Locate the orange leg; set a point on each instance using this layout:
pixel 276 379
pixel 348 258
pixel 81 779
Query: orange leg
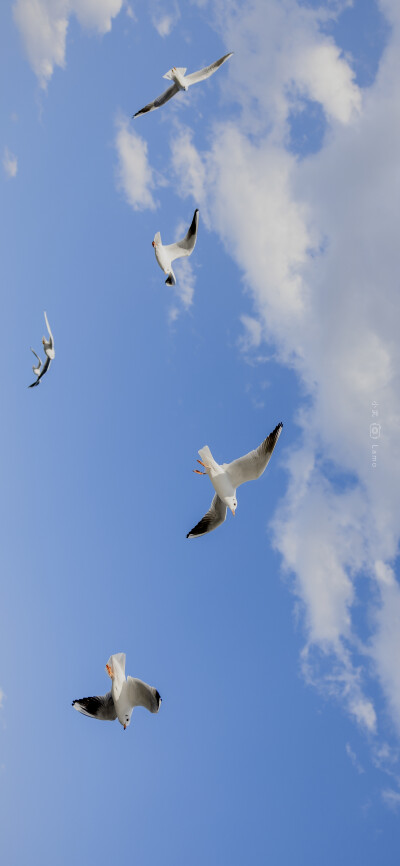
pixel 109 671
pixel 197 471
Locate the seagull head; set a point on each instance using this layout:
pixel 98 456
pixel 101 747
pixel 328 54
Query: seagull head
pixel 231 502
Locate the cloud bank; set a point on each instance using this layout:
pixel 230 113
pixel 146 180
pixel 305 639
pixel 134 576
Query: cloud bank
pixel 315 238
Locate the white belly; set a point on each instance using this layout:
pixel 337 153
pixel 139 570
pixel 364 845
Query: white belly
pixel 222 484
pixel 162 258
pixel 123 707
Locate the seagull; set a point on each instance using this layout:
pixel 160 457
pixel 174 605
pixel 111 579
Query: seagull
pixel 126 693
pixel 165 255
pixel 48 346
pixel 35 369
pixel 182 82
pixel 227 477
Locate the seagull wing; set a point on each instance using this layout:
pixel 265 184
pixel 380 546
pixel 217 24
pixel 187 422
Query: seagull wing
pixel 48 326
pixel 161 100
pixel 252 465
pixel 44 369
pixel 216 515
pixel 142 695
pixel 98 707
pixel 201 74
pixel 37 356
pixel 186 246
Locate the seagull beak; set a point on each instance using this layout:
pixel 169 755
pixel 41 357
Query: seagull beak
pixel 153 244
pixel 232 511
pixel 124 727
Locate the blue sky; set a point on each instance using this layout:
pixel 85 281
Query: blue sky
pixel 274 641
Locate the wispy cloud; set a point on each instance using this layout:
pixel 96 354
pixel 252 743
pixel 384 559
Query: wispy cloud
pixel 43 26
pixel 165 17
pixel 10 163
pixel 300 230
pixel 391 798
pixel 353 758
pixel 135 177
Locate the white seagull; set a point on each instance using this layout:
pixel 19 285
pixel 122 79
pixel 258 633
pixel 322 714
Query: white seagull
pixel 126 693
pixel 227 477
pixel 182 82
pixel 36 369
pixel 48 346
pixel 165 255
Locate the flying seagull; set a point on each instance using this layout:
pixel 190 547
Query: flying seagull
pixel 126 693
pixel 182 82
pixel 165 255
pixel 48 346
pixel 227 477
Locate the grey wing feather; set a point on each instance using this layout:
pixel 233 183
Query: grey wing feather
pixel 161 100
pixel 252 465
pixel 201 74
pixel 186 246
pixel 143 695
pixel 216 515
pixel 98 707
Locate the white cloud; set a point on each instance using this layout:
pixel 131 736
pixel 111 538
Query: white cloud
pixel 391 798
pixel 385 644
pixel 43 26
pixel 164 21
pixel 185 282
pixel 251 339
pixel 316 241
pixel 10 163
pixel 353 758
pixel 2 696
pixel 135 177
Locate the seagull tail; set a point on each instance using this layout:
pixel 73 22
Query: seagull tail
pixel 171 281
pixel 207 458
pixel 170 73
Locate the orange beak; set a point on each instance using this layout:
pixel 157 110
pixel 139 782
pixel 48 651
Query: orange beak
pixel 153 244
pixel 124 727
pixel 232 511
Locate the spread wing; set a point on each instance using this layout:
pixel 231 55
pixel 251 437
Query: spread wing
pixel 44 369
pixel 186 246
pixel 142 695
pixel 252 465
pixel 98 707
pixel 37 356
pixel 48 328
pixel 216 515
pixel 161 100
pixel 194 77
